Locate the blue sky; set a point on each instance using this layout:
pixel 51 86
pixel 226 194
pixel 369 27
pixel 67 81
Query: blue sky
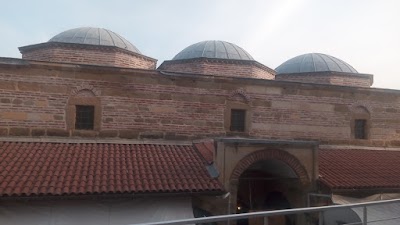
pixel 364 33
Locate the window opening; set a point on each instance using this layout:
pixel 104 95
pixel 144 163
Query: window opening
pixel 360 129
pixel 238 120
pixel 84 117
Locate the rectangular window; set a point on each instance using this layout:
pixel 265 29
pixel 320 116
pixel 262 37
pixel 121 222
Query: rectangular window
pixel 84 117
pixel 238 120
pixel 360 127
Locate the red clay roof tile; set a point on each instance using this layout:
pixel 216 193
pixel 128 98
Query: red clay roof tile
pixel 39 168
pixel 359 169
pixel 206 149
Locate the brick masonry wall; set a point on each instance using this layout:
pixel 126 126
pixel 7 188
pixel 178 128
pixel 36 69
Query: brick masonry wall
pixel 123 59
pixel 146 104
pixel 344 80
pixel 91 56
pixel 221 68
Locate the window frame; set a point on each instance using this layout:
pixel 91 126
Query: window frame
pixel 227 117
pixel 71 112
pixel 240 123
pixel 360 132
pixel 361 116
pixel 84 117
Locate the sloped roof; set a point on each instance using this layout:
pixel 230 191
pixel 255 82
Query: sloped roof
pixel 359 169
pixel 206 150
pixel 39 168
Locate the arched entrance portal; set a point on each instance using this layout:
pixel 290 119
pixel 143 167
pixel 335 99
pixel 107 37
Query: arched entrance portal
pixel 269 180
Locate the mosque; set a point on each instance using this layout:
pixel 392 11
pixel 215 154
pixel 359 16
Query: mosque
pixel 92 132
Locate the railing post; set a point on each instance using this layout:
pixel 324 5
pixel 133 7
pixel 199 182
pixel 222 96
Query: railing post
pixel 265 220
pixel 365 215
pixel 321 218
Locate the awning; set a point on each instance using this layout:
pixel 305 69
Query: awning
pixel 385 214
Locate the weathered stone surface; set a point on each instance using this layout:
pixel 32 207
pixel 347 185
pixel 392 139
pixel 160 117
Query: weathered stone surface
pixel 174 136
pixel 151 135
pixel 27 86
pixel 28 103
pixel 262 103
pixel 212 99
pixel 391 110
pixel 39 116
pixel 395 142
pixel 54 89
pixel 41 103
pixel 146 95
pixel 129 134
pixel 5 100
pixel 84 133
pixel 108 133
pixel 58 117
pixel 36 132
pixel 163 109
pixel 186 98
pixel 57 132
pixel 14 115
pixel 7 85
pixel 3 131
pixel 17 101
pixel 108 120
pixel 341 108
pixel 165 96
pixel 19 131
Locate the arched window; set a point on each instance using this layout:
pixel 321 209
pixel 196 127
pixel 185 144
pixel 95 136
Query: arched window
pixel 238 113
pixel 360 123
pixel 84 111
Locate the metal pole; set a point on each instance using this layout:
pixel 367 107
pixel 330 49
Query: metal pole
pixel 265 220
pixel 321 218
pixel 365 215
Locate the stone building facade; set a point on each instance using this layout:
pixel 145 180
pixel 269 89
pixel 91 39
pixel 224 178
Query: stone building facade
pixel 257 130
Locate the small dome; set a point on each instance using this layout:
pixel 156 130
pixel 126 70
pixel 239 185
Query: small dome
pixel 314 62
pixel 94 36
pixel 214 50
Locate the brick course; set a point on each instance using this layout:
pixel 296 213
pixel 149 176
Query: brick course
pixel 79 54
pixel 344 79
pixel 220 67
pixel 269 154
pixel 149 104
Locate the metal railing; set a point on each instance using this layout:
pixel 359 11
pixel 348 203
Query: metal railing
pixel 266 214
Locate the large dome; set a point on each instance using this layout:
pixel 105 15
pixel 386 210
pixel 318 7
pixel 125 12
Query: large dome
pixel 314 62
pixel 213 49
pixel 94 36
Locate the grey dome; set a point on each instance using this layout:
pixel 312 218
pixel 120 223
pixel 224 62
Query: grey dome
pixel 314 62
pixel 94 36
pixel 215 50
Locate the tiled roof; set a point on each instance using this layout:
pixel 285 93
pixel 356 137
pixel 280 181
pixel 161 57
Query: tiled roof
pixel 359 169
pixel 39 168
pixel 206 149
